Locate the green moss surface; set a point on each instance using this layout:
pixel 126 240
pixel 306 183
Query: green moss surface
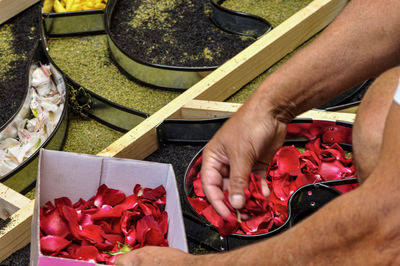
pixel 7 53
pixel 275 11
pixel 88 136
pixel 87 61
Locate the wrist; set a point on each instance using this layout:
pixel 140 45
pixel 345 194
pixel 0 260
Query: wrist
pixel 271 98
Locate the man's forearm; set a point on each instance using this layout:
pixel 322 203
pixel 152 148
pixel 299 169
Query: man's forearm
pixel 358 228
pixel 362 42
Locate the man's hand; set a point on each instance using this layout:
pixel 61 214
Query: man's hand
pixel 245 143
pixel 154 256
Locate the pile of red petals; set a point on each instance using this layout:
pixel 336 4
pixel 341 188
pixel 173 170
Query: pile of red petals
pixel 108 224
pixel 288 171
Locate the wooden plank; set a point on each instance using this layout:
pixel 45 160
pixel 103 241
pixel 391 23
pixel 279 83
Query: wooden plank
pixel 198 109
pixel 17 233
pixel 325 115
pixel 10 201
pixel 352 109
pixel 141 141
pixel 10 8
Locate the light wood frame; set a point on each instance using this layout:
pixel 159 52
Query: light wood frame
pixel 10 8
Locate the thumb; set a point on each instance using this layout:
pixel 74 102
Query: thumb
pixel 238 180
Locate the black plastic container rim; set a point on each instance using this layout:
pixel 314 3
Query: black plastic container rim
pixel 62 117
pixel 325 184
pixel 73 13
pixel 218 5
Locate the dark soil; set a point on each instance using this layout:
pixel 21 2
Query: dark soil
pixel 179 156
pixel 175 33
pixel 14 83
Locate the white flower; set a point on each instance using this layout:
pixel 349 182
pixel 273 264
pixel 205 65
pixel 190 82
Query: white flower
pixel 27 133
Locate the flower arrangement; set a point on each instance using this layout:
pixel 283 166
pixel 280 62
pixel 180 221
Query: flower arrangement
pixel 288 171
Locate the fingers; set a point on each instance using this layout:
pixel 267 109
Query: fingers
pixel 239 179
pixel 215 196
pixel 264 188
pixel 260 169
pixel 213 173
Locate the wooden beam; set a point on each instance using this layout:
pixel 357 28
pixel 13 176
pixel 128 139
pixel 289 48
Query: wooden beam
pixel 10 8
pixel 10 201
pixel 141 141
pixel 352 109
pixel 17 232
pixel 198 109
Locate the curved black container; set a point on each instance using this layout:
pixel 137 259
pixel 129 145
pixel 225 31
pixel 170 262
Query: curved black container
pixel 22 178
pixel 302 202
pixel 238 22
pixel 176 77
pixel 349 98
pixel 74 23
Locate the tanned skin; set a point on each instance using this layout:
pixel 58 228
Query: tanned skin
pixel 358 228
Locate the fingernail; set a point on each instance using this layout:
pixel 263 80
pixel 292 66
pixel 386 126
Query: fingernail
pixel 237 201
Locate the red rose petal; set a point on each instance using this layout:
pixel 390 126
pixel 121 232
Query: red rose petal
pixel 163 223
pixel 288 160
pixel 116 211
pixel 54 224
pixel 126 219
pixel 87 253
pixel 63 201
pixel 212 216
pixel 198 204
pixel 72 218
pixel 257 223
pixel 228 225
pixel 301 180
pixel 106 227
pixel 144 225
pixel 149 209
pixel 130 237
pixel 154 194
pixel 53 244
pixel 198 188
pixel 116 226
pixel 154 237
pixel 333 170
pixel 92 233
pixel 113 238
pixel 281 188
pixel 108 196
pixel 79 203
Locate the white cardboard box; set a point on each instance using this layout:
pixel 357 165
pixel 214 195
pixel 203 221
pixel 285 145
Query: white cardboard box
pixel 79 175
